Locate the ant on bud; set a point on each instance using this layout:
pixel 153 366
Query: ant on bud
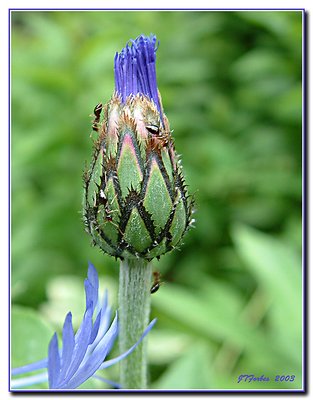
pixel 156 283
pixel 154 129
pixel 104 201
pixel 156 132
pixel 97 112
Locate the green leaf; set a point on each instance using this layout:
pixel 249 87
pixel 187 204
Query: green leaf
pixel 190 371
pixel 277 269
pixel 217 318
pixel 30 337
pixel 167 345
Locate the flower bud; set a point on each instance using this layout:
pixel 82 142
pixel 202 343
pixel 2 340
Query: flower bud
pixel 135 202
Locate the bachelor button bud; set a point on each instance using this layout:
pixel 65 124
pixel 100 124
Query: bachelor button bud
pixel 135 202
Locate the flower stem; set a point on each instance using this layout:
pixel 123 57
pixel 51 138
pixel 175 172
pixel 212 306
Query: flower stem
pixel 134 310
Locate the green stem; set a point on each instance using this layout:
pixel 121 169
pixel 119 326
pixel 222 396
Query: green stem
pixel 134 310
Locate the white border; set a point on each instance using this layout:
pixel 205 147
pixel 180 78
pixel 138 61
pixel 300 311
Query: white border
pixel 4 6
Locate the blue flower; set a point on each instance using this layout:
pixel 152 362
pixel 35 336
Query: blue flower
pixel 83 353
pixel 134 70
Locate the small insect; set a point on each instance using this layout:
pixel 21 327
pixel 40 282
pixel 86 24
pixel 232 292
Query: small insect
pixel 108 214
pixel 103 200
pixel 154 129
pixel 97 112
pixel 156 283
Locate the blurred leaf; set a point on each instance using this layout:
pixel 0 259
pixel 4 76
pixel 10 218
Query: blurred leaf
pixel 30 336
pixel 289 105
pixel 166 345
pixel 190 371
pixel 277 268
pixel 259 63
pixel 288 22
pixel 216 318
pixel 66 293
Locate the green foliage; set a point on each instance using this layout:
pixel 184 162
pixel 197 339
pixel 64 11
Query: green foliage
pixel 30 336
pixel 231 88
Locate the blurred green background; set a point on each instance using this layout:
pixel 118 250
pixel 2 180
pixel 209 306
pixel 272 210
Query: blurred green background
pixel 231 87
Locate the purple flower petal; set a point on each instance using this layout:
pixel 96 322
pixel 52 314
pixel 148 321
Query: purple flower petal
pixel 89 290
pixel 93 277
pixel 115 360
pixel 53 362
pixel 91 286
pixel 134 70
pixel 30 367
pixel 95 328
pixel 68 344
pixel 31 380
pixel 81 344
pixel 103 324
pixel 93 362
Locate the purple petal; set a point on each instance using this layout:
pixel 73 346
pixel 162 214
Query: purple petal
pixel 115 360
pixel 92 286
pixel 90 296
pixel 94 361
pixel 81 344
pixel 134 70
pixel 102 305
pixel 105 314
pixel 93 276
pixel 68 344
pixel 103 327
pixel 53 362
pixel 95 328
pixel 33 380
pixel 30 367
